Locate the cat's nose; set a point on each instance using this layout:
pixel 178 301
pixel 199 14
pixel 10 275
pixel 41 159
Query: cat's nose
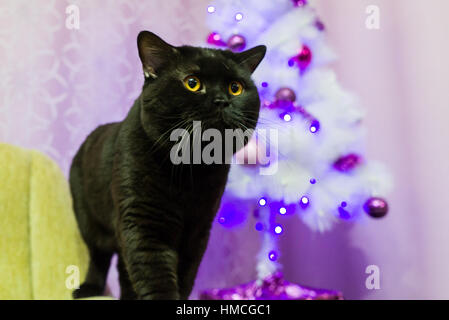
pixel 220 102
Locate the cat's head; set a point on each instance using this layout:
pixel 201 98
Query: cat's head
pixel 186 84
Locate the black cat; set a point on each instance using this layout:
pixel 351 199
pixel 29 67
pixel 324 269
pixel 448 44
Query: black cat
pixel 131 199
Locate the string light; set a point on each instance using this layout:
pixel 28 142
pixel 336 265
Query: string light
pixel 211 9
pixel 272 255
pixel 315 126
pixel 278 229
pixel 304 202
pixel 238 16
pixel 262 202
pixel 287 117
pixel 282 210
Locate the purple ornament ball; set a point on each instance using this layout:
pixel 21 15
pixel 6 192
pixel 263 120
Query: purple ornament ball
pixel 347 162
pixel 285 94
pixel 376 207
pixel 236 42
pixel 299 3
pixel 320 25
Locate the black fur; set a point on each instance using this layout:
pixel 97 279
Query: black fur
pixel 128 196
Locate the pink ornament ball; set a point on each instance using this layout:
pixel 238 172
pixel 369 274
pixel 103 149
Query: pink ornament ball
pixel 285 94
pixel 215 39
pixel 299 3
pixel 236 42
pixel 303 59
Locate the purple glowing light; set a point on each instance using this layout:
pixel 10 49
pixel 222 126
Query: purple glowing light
pixel 344 214
pixel 314 126
pixel 238 16
pixel 259 226
pixel 211 9
pixel 286 117
pixel 312 181
pixel 343 204
pixel 222 220
pixel 273 255
pixel 282 210
pixel 262 202
pixel 264 84
pixel 304 202
pixel 278 229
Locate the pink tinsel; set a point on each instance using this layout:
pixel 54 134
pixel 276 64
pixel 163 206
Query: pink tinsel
pixel 273 287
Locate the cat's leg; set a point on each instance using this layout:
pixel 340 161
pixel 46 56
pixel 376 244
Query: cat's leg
pixel 97 272
pixel 92 235
pixel 126 289
pixel 150 258
pixel 190 260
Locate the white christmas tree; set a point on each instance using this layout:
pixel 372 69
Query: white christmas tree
pixel 320 173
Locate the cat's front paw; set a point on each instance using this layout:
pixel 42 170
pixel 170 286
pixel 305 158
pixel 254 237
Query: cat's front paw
pixel 87 290
pixel 161 296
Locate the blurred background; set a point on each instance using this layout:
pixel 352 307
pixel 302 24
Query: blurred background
pixel 57 84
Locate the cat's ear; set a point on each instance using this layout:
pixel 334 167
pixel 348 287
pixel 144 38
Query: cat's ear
pixel 153 52
pixel 251 57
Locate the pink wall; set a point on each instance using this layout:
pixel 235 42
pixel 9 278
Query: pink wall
pixel 400 74
pixel 57 84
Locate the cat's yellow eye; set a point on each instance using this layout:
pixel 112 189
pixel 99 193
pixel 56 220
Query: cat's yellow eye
pixel 192 83
pixel 235 88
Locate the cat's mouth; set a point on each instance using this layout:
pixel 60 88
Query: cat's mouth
pixel 223 119
pixel 221 123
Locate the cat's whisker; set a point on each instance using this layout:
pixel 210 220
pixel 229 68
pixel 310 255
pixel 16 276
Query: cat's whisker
pixel 184 140
pixel 156 144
